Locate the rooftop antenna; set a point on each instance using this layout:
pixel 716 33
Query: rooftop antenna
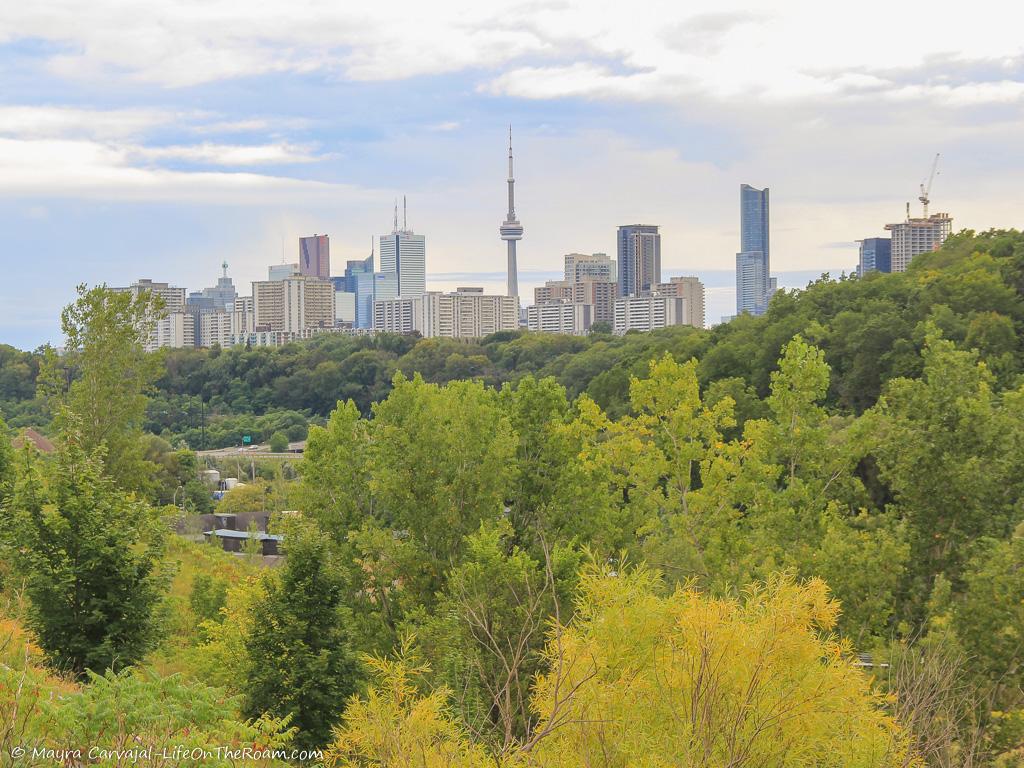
pixel 405 216
pixel 395 227
pixel 927 189
pixel 224 266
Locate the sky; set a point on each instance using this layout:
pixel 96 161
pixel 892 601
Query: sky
pixel 159 139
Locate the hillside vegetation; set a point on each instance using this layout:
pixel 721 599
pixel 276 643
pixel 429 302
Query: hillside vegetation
pixel 792 541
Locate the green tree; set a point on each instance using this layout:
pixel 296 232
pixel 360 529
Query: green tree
pixel 484 638
pixel 298 661
pixel 946 447
pixel 6 462
pixel 335 472
pixel 441 462
pixel 98 387
pixel 279 442
pixel 89 554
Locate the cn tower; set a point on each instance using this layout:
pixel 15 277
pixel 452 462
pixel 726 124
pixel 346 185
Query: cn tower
pixel 511 230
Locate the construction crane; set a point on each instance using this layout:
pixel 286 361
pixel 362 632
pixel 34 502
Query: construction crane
pixel 926 189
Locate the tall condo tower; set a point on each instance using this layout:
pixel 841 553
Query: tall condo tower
pixel 639 258
pixel 754 285
pixel 511 230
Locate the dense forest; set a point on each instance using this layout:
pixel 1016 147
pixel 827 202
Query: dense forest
pixel 794 540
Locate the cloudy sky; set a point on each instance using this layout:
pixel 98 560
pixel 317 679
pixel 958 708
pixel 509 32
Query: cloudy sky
pixel 157 139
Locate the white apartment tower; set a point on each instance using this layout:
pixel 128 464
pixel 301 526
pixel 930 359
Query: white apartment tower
pixel 560 317
pixel 294 304
pixel 465 313
pixel 648 313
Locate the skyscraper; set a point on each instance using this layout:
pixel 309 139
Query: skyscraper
pixel 315 256
pixel 875 255
pixel 753 264
pixel 511 230
pixel 219 298
pixel 639 258
pixel 403 253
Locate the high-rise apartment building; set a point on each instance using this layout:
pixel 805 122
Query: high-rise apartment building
pixel 916 236
pixel 315 256
pixel 559 316
pixel 294 304
pixel 639 258
pixel 166 332
pixel 691 289
pixel 875 255
pixel 465 313
pixel 753 262
pixel 648 313
pixel 600 294
pixel 403 253
pixel 589 266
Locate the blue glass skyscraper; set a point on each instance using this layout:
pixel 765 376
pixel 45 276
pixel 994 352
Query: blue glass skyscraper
pixel 875 255
pixel 753 280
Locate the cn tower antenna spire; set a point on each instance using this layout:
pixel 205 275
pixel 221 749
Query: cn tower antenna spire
pixel 511 230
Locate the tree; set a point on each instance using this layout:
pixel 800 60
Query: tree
pixel 946 446
pixel 484 638
pixel 279 442
pixel 686 679
pixel 98 387
pixel 394 726
pixel 441 461
pixel 298 659
pixel 6 462
pixel 335 472
pixel 89 554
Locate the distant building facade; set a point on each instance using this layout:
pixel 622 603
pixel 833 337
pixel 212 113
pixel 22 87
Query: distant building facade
pixel 916 236
pixel 600 294
pixel 560 316
pixel 293 305
pixel 753 262
pixel 875 255
pixel 465 313
pixel 648 313
pixel 589 266
pixel 315 256
pixel 281 271
pixel 170 323
pixel 639 258
pixel 690 288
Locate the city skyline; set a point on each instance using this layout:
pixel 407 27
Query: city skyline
pixel 113 168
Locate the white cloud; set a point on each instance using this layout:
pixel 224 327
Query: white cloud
pixel 229 154
pixel 723 49
pixel 59 121
pixel 54 168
